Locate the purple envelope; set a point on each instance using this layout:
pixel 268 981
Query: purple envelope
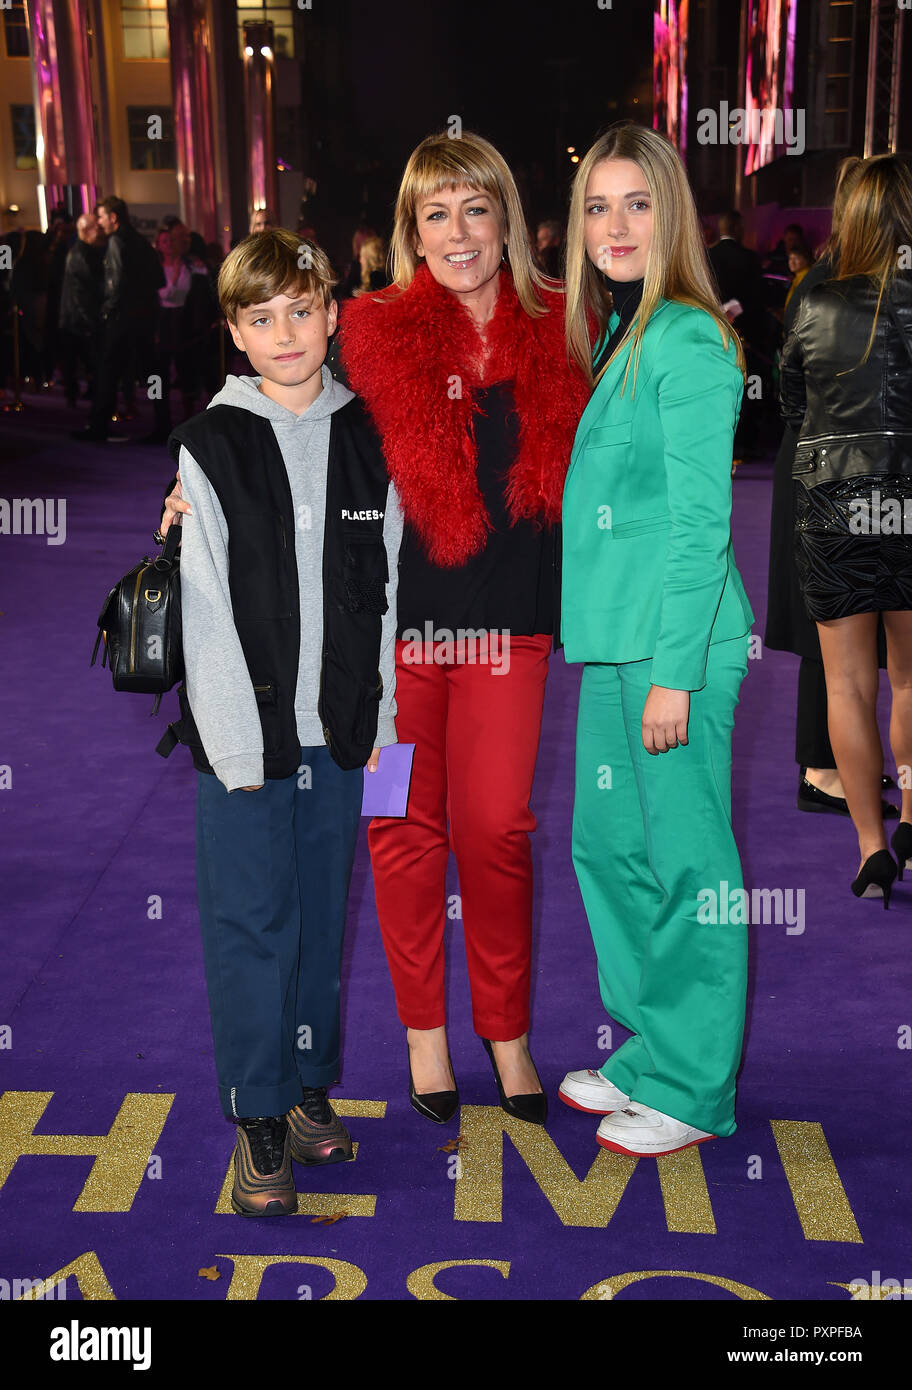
pixel 386 790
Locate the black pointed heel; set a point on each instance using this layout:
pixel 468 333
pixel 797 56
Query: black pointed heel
pixel 877 875
pixel 902 846
pixel 532 1108
pixel 439 1106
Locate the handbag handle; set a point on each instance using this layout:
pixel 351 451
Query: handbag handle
pixel 165 560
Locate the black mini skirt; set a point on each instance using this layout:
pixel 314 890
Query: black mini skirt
pixel 853 545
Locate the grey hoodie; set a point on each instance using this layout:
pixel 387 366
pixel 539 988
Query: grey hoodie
pixel 218 682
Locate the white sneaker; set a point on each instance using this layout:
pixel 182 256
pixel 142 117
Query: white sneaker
pixel 638 1129
pixel 589 1091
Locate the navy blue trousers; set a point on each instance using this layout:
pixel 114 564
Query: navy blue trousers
pixel 273 869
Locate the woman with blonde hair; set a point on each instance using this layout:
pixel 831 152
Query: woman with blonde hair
pixel 372 263
pixel 788 627
pixel 852 479
pixel 462 364
pixel 654 606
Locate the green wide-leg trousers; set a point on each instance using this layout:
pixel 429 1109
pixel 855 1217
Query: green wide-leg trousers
pixel 653 850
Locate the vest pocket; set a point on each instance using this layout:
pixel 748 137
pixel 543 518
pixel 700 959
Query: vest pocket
pixel 365 573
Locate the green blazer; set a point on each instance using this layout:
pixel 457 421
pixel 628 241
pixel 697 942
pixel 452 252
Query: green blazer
pixel 648 568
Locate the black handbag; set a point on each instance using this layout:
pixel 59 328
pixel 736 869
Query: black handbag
pixel 140 625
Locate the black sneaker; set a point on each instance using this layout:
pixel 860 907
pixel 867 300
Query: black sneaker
pixel 263 1184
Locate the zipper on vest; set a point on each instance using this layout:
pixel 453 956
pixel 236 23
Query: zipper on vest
pixel 326 734
pixel 258 688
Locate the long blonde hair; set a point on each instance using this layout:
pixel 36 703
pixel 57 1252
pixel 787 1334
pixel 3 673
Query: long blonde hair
pixel 847 173
pixel 374 252
pixel 876 223
pixel 676 266
pixel 466 161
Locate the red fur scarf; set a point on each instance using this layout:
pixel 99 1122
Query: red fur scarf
pixel 412 356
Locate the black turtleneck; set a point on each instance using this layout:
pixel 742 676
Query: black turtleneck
pixel 626 295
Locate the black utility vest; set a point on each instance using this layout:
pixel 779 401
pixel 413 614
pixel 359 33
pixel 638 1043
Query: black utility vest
pixel 241 458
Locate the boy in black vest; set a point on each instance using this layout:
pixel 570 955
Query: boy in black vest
pixel 288 585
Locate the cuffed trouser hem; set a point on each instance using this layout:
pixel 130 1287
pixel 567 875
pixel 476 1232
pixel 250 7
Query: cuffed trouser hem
pixel 248 1102
pixel 325 1075
pixel 496 1030
pixel 423 1023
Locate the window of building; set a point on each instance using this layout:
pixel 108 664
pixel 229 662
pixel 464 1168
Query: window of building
pixel 151 134
pixel 145 28
pixel 15 30
pixel 279 15
pixel 24 151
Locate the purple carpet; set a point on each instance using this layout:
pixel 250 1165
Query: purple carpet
pixel 113 1152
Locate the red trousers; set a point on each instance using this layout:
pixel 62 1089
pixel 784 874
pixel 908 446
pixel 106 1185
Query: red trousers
pixel 476 729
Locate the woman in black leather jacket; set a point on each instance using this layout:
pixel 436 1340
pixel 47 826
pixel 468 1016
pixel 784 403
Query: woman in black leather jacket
pixel 846 389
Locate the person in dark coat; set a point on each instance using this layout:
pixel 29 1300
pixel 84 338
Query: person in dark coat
pixel 59 238
pixel 188 309
pixel 548 249
pixel 80 304
pixel 778 258
pixel 129 313
pixel 846 389
pixel 788 627
pixel 739 276
pixel 28 291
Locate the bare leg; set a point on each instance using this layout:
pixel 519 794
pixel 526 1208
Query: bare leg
pixel 827 779
pixel 849 650
pixel 517 1072
pixel 898 627
pixel 430 1060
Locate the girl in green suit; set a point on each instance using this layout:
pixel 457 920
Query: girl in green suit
pixel 655 608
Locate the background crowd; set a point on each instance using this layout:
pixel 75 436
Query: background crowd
pixel 100 309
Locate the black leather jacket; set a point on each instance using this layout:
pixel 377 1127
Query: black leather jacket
pixel 133 275
pixel 83 284
pixel 858 424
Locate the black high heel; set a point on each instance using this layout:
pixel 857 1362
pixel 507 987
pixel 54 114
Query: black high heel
pixel 439 1106
pixel 876 877
pixel 531 1108
pixel 902 846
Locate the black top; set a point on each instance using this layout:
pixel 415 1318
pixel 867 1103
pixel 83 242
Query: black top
pixel 626 295
pixel 509 584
